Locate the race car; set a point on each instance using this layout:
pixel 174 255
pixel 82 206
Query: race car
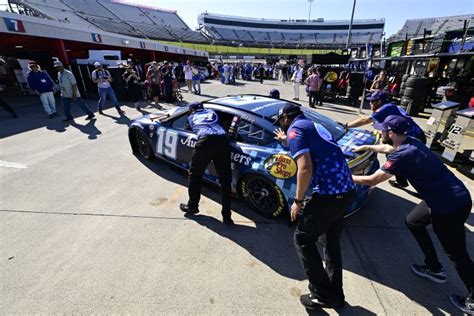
pixel 263 170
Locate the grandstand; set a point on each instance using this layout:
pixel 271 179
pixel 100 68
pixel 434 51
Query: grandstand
pixel 114 16
pixel 416 27
pixel 289 33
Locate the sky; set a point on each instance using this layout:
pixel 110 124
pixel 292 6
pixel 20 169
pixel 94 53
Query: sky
pixel 395 12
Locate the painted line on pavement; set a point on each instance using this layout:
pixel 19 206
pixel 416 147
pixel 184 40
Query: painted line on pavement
pixel 14 165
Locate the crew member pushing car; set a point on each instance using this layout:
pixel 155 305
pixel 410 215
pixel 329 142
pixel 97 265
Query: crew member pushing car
pixel 212 145
pixel 446 204
pixel 322 165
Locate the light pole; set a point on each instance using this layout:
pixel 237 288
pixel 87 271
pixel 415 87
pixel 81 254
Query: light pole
pixel 310 4
pixel 350 25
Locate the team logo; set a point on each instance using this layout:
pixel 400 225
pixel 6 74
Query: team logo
pixel 388 164
pixel 96 38
pixel 14 25
pixel 280 166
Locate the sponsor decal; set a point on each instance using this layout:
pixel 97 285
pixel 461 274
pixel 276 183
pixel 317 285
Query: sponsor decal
pixel 14 25
pixel 388 164
pixel 292 134
pixel 280 166
pixel 190 141
pixel 96 38
pixel 240 158
pixel 142 45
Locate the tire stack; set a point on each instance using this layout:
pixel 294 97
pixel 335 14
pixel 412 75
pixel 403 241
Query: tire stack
pixel 414 94
pixel 354 89
pixel 403 84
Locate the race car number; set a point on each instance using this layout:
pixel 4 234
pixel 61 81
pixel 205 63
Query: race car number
pixel 455 129
pixel 166 143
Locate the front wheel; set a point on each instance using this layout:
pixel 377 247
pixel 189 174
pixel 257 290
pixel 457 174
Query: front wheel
pixel 263 195
pixel 143 145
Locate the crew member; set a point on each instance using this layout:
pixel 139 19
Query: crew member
pixel 446 204
pixel 212 145
pixel 322 165
pixel 380 110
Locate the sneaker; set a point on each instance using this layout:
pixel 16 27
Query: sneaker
pixel 90 117
pixel 51 115
pixel 311 302
pixel 397 185
pixel 121 112
pixel 423 271
pixel 56 114
pixel 185 208
pixel 68 120
pixel 101 112
pixel 466 305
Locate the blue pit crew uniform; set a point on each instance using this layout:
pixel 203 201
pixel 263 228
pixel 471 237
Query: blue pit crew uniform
pixel 212 145
pixel 446 205
pixel 322 217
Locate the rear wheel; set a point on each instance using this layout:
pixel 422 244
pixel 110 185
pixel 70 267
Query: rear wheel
pixel 263 195
pixel 143 146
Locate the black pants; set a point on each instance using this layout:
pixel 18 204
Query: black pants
pixel 313 98
pixel 7 108
pixel 401 179
pixel 322 219
pixel 216 149
pixel 451 233
pixel 133 92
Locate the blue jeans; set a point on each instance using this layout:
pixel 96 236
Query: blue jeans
pixel 67 106
pixel 103 92
pixel 197 86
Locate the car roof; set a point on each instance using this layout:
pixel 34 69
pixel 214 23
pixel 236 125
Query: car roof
pixel 253 104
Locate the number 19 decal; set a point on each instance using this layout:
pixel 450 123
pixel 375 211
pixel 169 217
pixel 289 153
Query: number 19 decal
pixel 166 143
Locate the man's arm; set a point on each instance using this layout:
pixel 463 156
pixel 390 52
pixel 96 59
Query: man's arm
pixel 372 180
pixel 303 179
pixel 94 77
pixel 363 120
pixel 381 149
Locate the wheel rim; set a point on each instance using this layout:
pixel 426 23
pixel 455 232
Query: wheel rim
pixel 262 194
pixel 143 146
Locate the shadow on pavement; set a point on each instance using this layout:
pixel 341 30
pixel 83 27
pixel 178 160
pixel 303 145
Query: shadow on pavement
pixel 346 311
pixel 89 129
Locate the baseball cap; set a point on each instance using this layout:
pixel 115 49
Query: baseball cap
pixel 274 93
pixel 378 95
pixel 288 109
pixel 57 63
pixel 195 106
pixel 395 123
pixel 96 64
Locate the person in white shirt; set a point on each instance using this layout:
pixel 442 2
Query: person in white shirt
pixel 296 79
pixel 226 73
pixel 102 78
pixel 188 75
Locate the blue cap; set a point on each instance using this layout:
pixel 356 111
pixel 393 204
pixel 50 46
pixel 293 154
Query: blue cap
pixel 288 109
pixel 378 95
pixel 195 106
pixel 395 123
pixel 274 93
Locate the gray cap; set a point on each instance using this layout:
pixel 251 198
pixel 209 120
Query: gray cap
pixel 57 63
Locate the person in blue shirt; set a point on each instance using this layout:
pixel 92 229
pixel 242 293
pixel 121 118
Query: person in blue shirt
pixel 380 110
pixel 43 86
pixel 446 204
pixel 323 168
pixel 212 145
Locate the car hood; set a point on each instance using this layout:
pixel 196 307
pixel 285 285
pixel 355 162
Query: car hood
pixel 356 137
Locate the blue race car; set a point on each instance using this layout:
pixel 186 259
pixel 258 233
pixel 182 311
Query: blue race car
pixel 263 170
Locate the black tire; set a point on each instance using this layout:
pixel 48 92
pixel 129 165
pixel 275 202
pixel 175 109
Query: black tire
pixel 414 93
pixel 403 86
pixel 263 195
pixel 405 77
pixel 143 147
pixel 417 82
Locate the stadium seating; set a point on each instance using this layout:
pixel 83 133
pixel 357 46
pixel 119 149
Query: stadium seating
pixel 89 7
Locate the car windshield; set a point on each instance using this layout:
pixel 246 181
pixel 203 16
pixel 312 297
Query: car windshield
pixel 336 130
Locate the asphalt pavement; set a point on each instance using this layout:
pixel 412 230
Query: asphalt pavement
pixel 89 228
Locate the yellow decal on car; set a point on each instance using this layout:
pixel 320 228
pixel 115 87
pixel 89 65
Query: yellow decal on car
pixel 280 166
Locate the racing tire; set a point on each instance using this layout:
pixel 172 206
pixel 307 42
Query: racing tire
pixel 417 83
pixel 405 78
pixel 414 93
pixel 142 146
pixel 263 195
